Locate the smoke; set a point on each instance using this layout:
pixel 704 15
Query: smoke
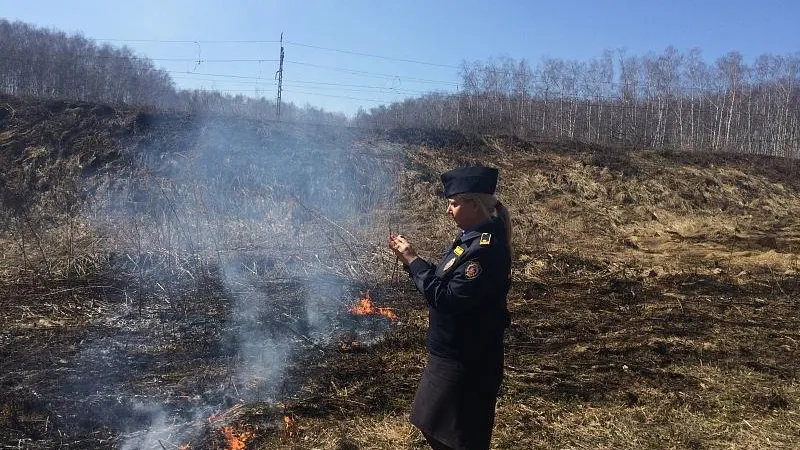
pixel 262 349
pixel 163 431
pixel 157 430
pixel 242 244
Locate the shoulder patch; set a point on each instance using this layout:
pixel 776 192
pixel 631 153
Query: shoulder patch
pixel 458 250
pixel 473 270
pixel 486 238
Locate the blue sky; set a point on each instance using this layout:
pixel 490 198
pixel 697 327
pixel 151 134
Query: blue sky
pixel 438 32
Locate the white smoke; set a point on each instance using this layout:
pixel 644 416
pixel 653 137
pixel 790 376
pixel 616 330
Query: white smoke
pixel 293 211
pixel 164 430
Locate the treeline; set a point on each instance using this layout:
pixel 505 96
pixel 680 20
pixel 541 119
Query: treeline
pixel 670 100
pixel 49 64
pixel 42 63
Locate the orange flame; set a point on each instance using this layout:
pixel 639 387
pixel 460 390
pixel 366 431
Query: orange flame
pixel 364 307
pixel 236 440
pixel 289 424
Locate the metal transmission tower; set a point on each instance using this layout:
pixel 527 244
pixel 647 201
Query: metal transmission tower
pixel 279 76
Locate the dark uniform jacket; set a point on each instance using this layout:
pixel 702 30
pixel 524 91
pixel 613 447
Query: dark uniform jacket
pixel 466 294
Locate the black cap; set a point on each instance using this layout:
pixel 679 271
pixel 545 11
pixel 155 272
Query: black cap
pixel 470 180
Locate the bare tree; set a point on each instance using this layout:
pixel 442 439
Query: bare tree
pixel 659 100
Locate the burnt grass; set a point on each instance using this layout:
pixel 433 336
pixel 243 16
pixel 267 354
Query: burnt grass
pixel 599 342
pixel 613 344
pixel 623 335
pixel 89 385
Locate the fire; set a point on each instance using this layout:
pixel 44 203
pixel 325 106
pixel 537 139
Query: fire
pixel 364 307
pixel 289 425
pixel 236 439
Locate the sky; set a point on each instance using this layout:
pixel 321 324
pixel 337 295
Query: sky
pixel 345 54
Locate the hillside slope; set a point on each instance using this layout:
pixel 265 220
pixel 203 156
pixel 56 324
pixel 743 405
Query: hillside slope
pixel 167 276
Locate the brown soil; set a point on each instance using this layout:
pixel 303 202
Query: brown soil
pixel 654 299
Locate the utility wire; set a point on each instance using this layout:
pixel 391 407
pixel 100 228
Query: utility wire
pixel 397 78
pixel 196 41
pixel 187 72
pixel 351 85
pixel 478 67
pixel 339 96
pixel 311 85
pixel 216 80
pixel 298 44
pixel 135 58
pixel 374 74
pixel 328 88
pixel 389 58
pixel 357 88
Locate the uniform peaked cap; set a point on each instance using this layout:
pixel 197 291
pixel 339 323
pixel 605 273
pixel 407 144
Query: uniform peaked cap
pixel 470 180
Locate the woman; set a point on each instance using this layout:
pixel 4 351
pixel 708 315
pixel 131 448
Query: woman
pixel 466 296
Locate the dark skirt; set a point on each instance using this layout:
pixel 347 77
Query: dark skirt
pixel 455 402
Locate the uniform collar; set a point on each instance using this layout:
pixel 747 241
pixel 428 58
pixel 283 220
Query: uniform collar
pixel 486 226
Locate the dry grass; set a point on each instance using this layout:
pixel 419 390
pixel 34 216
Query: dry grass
pixel 654 300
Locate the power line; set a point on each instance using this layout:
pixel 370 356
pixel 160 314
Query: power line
pixel 298 44
pixel 551 94
pixel 187 72
pixel 340 69
pixel 139 58
pixel 312 85
pixel 196 41
pixel 372 55
pixel 195 60
pixel 262 93
pixel 179 77
pixel 339 96
pixel 484 69
pixel 365 86
pixel 374 74
pixel 357 72
pixel 217 60
pixel 338 89
pixel 313 94
pixel 534 78
pixel 478 68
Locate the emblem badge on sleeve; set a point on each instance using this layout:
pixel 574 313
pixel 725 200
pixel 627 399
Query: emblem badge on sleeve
pixel 473 270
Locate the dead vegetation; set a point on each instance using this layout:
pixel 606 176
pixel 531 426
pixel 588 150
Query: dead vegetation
pixel 180 281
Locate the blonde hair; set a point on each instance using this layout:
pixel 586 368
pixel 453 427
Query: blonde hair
pixel 493 208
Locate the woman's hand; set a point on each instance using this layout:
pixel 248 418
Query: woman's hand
pixel 402 248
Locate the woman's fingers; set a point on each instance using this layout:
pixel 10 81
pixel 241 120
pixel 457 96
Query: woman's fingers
pixel 400 245
pixel 398 239
pixel 402 248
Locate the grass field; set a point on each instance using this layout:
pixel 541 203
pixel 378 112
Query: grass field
pixel 181 282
